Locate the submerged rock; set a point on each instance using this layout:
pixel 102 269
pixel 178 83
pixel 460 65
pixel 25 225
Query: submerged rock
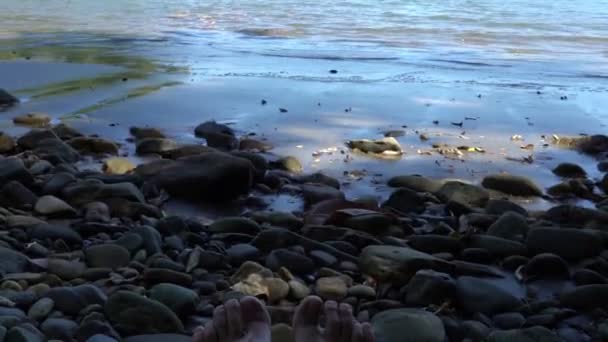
pixel 467 194
pixel 146 132
pixel 6 99
pixel 512 185
pixel 155 145
pixel 383 147
pixel 289 163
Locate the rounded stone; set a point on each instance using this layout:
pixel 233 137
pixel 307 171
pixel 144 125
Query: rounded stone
pixel 331 288
pixel 41 309
pixel 107 256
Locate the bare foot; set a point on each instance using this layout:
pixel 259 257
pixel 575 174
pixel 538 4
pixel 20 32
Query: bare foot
pixel 340 325
pixel 244 321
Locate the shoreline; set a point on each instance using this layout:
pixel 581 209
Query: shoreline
pixel 459 245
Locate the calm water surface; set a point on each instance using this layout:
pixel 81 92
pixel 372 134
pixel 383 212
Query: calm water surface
pixel 505 42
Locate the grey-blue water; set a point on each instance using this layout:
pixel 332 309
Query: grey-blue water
pixel 513 43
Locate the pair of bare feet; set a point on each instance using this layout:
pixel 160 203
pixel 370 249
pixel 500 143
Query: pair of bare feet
pixel 248 321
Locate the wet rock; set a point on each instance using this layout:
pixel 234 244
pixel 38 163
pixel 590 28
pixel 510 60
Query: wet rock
pixel 249 144
pixel 146 132
pixel 569 170
pixel 574 215
pixel 12 261
pixel 416 182
pixel 180 300
pixel 107 256
pixel 497 246
pixel 573 244
pixel 478 295
pixel 152 240
pixel 604 184
pixel 475 330
pixel 588 277
pixel 406 201
pixel 59 328
pixel 587 297
pixel 154 145
pixel 594 144
pixel 289 163
pixel 282 333
pixel 383 147
pixel 91 190
pixel 118 166
pixel 187 151
pixel 533 334
pixel 242 252
pixel 6 99
pixel 331 288
pixel 56 151
pixel 429 287
pixel 510 226
pixel 512 185
pixel 16 195
pixel 33 119
pixel 210 176
pixel 467 194
pixel 362 291
pixel 159 275
pixel 65 132
pixel 217 135
pixel 415 325
pixel 315 193
pixel 50 205
pixel 509 320
pixel 398 264
pixel 319 178
pixel 97 212
pixel 135 314
pixel 158 338
pixel 13 169
pixel 24 333
pixel 55 184
pixel 547 265
pixel 7 143
pixel 234 225
pixel 41 309
pixel 293 261
pixel 364 220
pixel 434 243
pixel 54 232
pixel 91 145
pixel 66 269
pixel 70 300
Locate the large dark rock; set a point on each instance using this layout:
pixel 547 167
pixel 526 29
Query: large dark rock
pixel 209 176
pixel 70 300
pixel 14 169
pixel 573 244
pixel 586 297
pixel 400 325
pixel 107 256
pixel 55 150
pixel 7 99
pixel 181 300
pixel 12 261
pixel 92 190
pixel 478 295
pixel 398 264
pixel 429 287
pixel 569 170
pixel 54 232
pixel 134 314
pixel 406 201
pixel 416 182
pixel 293 261
pixel 217 135
pixel 512 185
pixel 463 193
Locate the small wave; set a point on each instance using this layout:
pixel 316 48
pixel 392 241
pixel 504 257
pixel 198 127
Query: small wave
pixel 270 32
pixel 470 63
